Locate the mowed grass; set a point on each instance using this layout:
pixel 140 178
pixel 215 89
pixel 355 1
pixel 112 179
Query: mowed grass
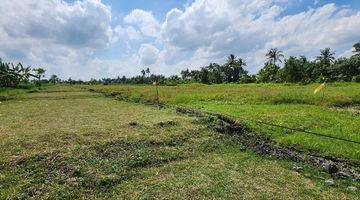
pixel 75 144
pixel 335 114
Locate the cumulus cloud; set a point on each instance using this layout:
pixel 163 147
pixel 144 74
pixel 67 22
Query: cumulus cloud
pixel 144 21
pixel 65 37
pixel 148 54
pixel 214 29
pixel 53 32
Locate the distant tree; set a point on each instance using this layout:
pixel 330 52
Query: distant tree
pixel 172 80
pixel 356 49
pixel 142 78
pixel 204 75
pixel 326 56
pixel 216 74
pixel 106 81
pixel 344 69
pixel 268 74
pixel 147 71
pixel 196 76
pixel 274 55
pixel 227 68
pixel 143 72
pixel 70 81
pixel 246 78
pixel 13 75
pixel 185 75
pixel 39 73
pixel 93 81
pixel 233 68
pixel 123 79
pixel 54 79
pixel 324 61
pixel 294 70
pixel 238 69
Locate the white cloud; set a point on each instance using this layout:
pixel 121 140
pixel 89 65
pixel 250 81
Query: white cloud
pixel 54 33
pixel 144 21
pixel 65 37
pixel 248 28
pixel 148 54
pixel 132 34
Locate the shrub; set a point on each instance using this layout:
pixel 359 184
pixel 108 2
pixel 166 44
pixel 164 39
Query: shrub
pixel 356 79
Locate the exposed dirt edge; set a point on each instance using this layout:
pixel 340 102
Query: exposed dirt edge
pixel 264 146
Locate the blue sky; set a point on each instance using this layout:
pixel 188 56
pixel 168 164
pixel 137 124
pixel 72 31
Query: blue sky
pixel 109 38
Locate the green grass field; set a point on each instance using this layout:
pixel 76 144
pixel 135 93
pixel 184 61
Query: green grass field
pixel 66 142
pixel 336 114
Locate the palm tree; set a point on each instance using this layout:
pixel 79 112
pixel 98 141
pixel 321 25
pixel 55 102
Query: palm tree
pixel 143 73
pixel 231 59
pixel 147 72
pixel 233 68
pixel 357 49
pixel 274 55
pixel 326 56
pixel 228 72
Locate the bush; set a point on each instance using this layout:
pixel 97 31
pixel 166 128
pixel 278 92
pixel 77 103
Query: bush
pixel 356 79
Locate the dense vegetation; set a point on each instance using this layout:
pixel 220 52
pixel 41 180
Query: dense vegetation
pixel 295 70
pixel 14 76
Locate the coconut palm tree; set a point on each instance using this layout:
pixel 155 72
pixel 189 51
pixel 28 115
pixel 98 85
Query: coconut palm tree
pixel 274 55
pixel 231 59
pixel 143 73
pixel 326 56
pixel 147 72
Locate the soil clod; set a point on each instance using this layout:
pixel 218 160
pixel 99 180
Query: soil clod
pixel 166 123
pixel 133 124
pixel 330 167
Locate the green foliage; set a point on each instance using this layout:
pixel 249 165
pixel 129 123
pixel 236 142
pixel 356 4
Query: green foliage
pixel 274 55
pixel 356 49
pixel 13 75
pixel 268 74
pixel 345 68
pixel 54 79
pixel 356 79
pixel 294 70
pixel 18 76
pixel 231 72
pixel 39 73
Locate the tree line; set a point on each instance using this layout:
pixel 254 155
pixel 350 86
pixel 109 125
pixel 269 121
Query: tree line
pixel 324 67
pixel 295 70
